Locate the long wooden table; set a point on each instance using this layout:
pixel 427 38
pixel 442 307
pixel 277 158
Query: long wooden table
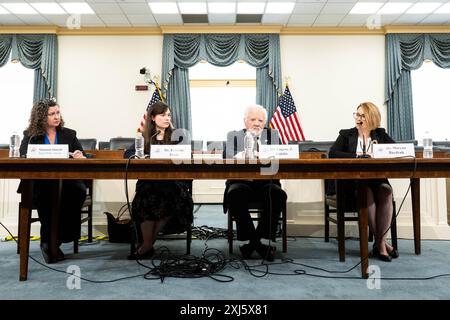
pixel 361 169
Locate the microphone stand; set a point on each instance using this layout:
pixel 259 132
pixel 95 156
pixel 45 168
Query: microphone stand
pixel 364 150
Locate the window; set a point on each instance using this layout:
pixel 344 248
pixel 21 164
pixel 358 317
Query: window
pixel 431 101
pixel 16 99
pixel 219 96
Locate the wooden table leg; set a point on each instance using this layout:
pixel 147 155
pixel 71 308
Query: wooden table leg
pixel 415 199
pixel 363 226
pixel 24 226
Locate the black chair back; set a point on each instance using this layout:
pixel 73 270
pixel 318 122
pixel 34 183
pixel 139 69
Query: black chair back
pixel 197 145
pixel 103 145
pixel 215 145
pixel 323 146
pixel 120 143
pixel 88 144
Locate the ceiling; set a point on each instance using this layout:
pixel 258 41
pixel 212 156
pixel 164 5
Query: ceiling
pixel 304 13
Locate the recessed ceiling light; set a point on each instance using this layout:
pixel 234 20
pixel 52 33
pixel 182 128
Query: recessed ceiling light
pixel 163 7
pixel 48 8
pixel 192 7
pixel 424 7
pixel 77 8
pixel 394 8
pixel 280 7
pixel 19 8
pixel 221 7
pixel 250 7
pixel 366 7
pixel 444 9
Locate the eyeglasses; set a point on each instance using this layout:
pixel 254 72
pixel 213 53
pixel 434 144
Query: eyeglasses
pixel 57 113
pixel 358 115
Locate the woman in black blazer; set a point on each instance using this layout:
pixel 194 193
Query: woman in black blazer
pixel 358 142
pixel 47 127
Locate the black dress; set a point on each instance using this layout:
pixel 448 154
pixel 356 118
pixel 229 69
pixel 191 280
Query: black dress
pixel 158 199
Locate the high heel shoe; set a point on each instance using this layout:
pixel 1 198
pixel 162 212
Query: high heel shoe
pixel 141 256
pixel 383 257
pixel 393 253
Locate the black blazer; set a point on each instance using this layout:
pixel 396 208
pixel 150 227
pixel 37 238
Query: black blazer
pixel 346 143
pixel 345 147
pixel 235 144
pixel 65 136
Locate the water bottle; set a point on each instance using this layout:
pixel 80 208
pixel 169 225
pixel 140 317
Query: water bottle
pixel 249 145
pixel 14 146
pixel 139 145
pixel 427 146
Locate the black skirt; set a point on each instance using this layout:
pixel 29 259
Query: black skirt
pixel 160 199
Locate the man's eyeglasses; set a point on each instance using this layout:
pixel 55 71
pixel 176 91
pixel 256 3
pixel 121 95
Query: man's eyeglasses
pixel 358 115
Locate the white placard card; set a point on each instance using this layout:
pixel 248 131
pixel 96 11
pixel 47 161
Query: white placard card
pixel 170 151
pixel 393 150
pixel 48 151
pixel 278 151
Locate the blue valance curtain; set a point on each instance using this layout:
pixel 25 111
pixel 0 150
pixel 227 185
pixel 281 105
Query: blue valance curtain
pixel 406 52
pixel 182 51
pixel 38 52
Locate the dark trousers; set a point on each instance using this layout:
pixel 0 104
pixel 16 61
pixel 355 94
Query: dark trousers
pixel 272 197
pixel 73 194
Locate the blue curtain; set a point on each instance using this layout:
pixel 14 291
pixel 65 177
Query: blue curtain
pixel 406 52
pixel 183 51
pixel 38 52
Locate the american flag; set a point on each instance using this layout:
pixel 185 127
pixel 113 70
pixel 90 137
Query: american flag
pixel 156 96
pixel 285 119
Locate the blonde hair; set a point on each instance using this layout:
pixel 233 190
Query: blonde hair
pixel 372 114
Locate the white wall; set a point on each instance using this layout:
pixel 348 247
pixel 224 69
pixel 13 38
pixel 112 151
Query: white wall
pixel 96 82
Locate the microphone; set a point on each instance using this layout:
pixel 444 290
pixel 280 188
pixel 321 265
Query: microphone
pixel 364 149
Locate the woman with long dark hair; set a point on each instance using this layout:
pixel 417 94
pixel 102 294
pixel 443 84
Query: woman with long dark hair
pixel 159 204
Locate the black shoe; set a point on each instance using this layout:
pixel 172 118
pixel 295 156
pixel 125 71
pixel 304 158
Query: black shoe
pixel 246 251
pixel 394 253
pixel 141 256
pixel 266 252
pixel 385 258
pixel 376 253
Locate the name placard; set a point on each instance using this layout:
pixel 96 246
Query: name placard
pixel 48 151
pixel 170 151
pixel 278 151
pixel 393 150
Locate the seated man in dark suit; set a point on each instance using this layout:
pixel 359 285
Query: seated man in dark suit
pixel 239 193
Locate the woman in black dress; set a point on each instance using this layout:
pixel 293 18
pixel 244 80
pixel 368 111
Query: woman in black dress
pixel 355 142
pixel 159 204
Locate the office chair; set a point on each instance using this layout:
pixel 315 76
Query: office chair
pixel 215 145
pixel 256 208
pixel 197 145
pixel 120 143
pixel 88 144
pixel 103 145
pixel 341 203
